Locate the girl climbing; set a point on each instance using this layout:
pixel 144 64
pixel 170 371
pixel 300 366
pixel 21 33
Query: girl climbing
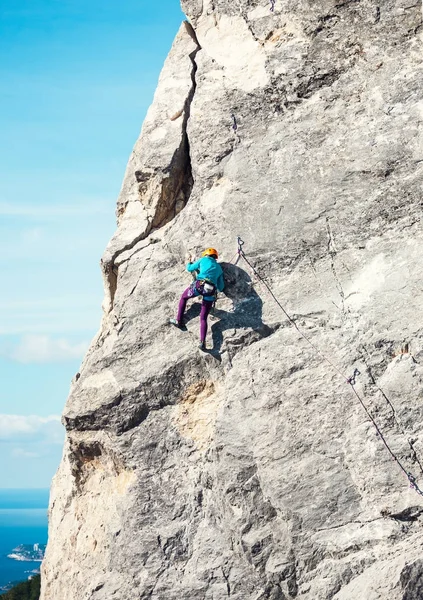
pixel 209 280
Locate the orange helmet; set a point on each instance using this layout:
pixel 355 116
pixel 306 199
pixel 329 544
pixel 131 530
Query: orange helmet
pixel 210 252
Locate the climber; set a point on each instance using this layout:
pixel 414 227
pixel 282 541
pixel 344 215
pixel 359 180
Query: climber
pixel 208 281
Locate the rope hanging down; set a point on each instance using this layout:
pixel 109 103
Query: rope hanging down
pixel 350 380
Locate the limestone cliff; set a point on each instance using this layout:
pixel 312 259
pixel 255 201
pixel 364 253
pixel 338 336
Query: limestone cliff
pixel 253 472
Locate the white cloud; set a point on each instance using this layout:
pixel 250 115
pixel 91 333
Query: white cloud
pixel 79 302
pixel 47 212
pixel 57 324
pixel 64 315
pixel 44 349
pixel 31 428
pixel 22 453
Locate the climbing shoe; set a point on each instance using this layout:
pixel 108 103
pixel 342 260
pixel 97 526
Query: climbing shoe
pixel 202 346
pixel 178 324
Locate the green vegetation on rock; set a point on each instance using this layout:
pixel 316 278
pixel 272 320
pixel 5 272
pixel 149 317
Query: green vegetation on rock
pixel 26 590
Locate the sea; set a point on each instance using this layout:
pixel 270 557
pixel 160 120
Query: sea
pixel 23 534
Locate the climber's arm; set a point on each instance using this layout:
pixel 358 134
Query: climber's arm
pixel 195 266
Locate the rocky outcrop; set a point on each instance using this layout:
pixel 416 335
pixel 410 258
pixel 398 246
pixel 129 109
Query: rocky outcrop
pixel 253 472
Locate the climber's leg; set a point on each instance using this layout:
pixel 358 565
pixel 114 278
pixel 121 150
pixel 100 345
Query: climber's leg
pixel 205 310
pixel 188 293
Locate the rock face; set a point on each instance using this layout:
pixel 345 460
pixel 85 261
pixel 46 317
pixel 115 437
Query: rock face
pixel 253 472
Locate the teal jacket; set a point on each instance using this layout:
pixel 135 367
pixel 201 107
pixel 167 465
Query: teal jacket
pixel 208 268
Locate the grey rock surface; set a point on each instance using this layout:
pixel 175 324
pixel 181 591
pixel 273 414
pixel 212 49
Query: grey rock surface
pixel 253 472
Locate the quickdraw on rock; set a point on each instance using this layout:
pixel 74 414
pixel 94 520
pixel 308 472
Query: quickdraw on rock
pixel 413 484
pixel 350 380
pixel 240 245
pixel 272 5
pixel 234 123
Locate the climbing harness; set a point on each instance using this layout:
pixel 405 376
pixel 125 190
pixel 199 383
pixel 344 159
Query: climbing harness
pixel 272 5
pixel 203 287
pixel 349 380
pixel 206 288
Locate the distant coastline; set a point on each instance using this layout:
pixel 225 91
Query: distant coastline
pixel 23 534
pixel 28 552
pixel 23 559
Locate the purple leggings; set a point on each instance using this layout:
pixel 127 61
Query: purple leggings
pixel 205 309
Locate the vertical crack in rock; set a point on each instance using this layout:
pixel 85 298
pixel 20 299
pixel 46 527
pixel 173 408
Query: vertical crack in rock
pixel 162 192
pixel 226 578
pixel 176 189
pixel 333 252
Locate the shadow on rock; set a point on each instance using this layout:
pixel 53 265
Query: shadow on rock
pixel 246 314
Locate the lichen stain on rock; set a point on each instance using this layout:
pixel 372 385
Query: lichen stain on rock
pixel 101 486
pixel 104 475
pixel 195 414
pixel 94 467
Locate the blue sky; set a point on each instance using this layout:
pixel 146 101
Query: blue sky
pixel 76 79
